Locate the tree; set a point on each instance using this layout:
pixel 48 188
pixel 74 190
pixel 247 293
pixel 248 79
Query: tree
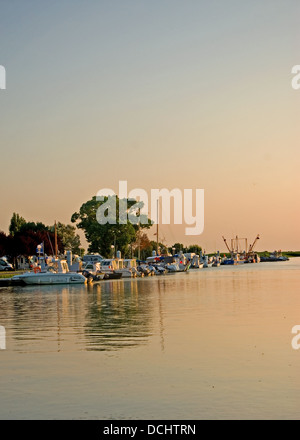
pixel 16 223
pixel 194 248
pixel 151 247
pixel 101 237
pixel 141 245
pixel 178 247
pixel 25 236
pixel 25 243
pixel 3 244
pixel 68 236
pixel 32 226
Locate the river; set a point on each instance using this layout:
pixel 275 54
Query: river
pixel 209 344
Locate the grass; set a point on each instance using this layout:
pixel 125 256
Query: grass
pixel 10 274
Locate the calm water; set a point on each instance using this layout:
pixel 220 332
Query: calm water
pixel 210 344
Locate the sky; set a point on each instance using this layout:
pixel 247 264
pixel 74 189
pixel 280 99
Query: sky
pixel 162 94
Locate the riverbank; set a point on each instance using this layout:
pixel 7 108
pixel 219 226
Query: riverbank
pixel 10 274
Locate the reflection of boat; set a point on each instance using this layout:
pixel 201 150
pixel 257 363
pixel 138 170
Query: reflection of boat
pixel 56 273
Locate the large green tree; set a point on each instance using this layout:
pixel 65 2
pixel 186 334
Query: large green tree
pixel 101 237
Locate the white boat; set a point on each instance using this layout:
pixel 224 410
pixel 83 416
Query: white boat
pixel 126 268
pixel 194 260
pixel 216 262
pixel 174 267
pixel 207 262
pixel 92 271
pixel 158 269
pixel 145 270
pixel 177 267
pixel 56 273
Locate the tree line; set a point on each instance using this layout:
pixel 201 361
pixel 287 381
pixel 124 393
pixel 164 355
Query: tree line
pixel 24 237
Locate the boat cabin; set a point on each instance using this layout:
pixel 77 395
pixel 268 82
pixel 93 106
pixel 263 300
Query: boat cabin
pixel 57 265
pixel 129 263
pixel 92 258
pixel 109 264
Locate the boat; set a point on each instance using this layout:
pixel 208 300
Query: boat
pixel 145 269
pixel 92 271
pixel 112 276
pixel 274 256
pixel 127 268
pixel 49 271
pixel 207 262
pixel 253 258
pixel 241 253
pixel 156 265
pixel 158 269
pixel 227 261
pixel 216 260
pixel 195 261
pixel 57 272
pixel 177 267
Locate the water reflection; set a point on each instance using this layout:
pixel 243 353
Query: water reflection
pixel 121 314
pixel 208 344
pixel 107 316
pixel 118 315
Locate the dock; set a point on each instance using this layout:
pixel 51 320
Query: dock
pixel 7 282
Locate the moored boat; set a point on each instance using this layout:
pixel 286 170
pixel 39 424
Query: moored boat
pixel 56 272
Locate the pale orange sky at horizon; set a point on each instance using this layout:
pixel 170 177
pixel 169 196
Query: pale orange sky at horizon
pixel 173 95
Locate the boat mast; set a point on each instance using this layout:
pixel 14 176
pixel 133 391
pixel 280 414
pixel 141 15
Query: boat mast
pixel 139 241
pixel 50 243
pixel 55 234
pixel 157 228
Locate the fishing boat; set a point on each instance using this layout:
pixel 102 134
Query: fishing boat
pixel 241 253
